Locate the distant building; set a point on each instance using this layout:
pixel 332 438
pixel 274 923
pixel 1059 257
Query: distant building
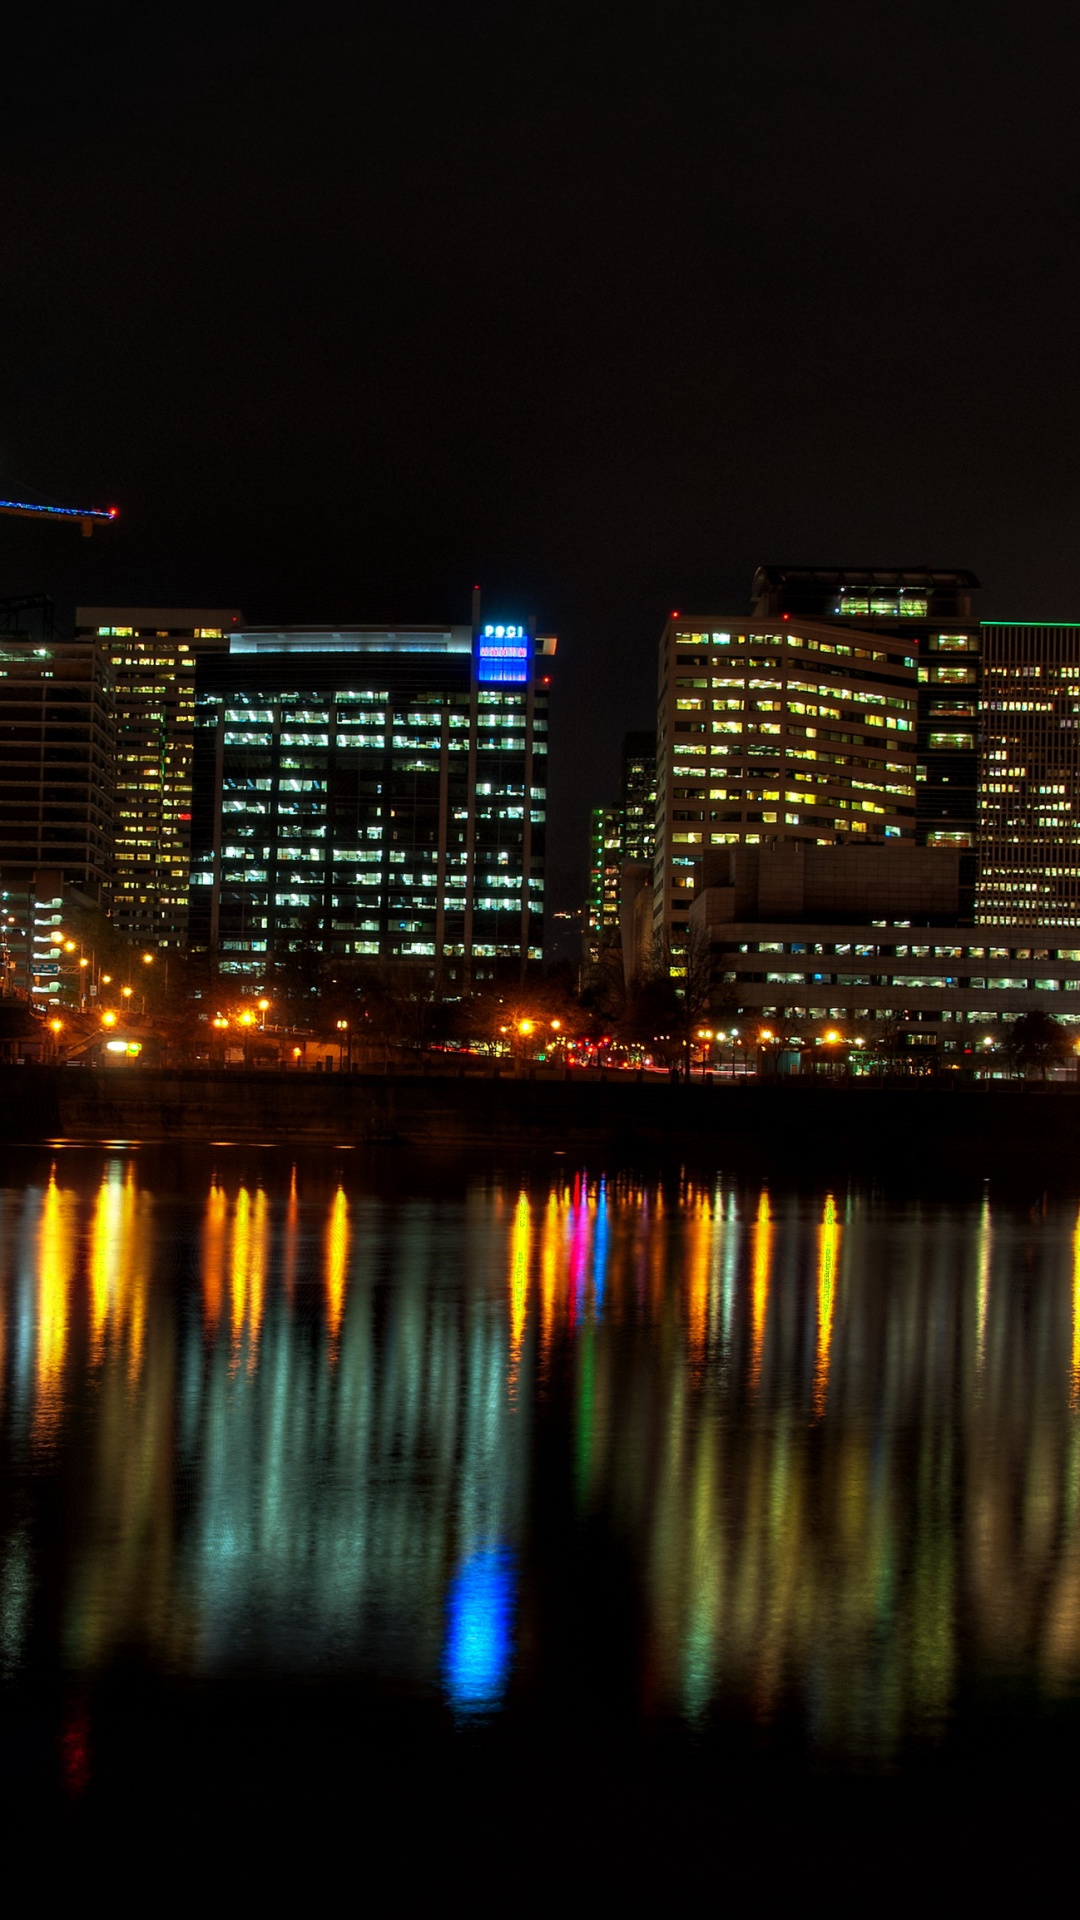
pixel 622 840
pixel 637 797
pixel 776 730
pixel 152 653
pixel 372 792
pixel 868 940
pixel 1029 800
pixel 932 606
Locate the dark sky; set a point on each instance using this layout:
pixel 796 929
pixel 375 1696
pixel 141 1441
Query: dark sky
pixel 600 304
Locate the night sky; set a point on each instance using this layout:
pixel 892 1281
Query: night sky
pixel 599 304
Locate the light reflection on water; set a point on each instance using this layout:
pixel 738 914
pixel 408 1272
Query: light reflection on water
pixel 274 1422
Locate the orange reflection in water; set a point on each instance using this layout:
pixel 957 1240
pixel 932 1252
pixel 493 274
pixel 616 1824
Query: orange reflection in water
pixel 549 1267
pixel 55 1259
pixel 828 1250
pixel 337 1261
pixel 699 1263
pixel 1074 1395
pixel 292 1239
pixel 106 1236
pixel 247 1272
pixel 121 1239
pixel 519 1280
pixel 982 1290
pixel 759 1286
pixel 213 1254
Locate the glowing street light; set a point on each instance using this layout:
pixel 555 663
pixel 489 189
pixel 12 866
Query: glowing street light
pixel 109 1018
pixel 526 1026
pixel 127 992
pixel 247 1019
pixel 56 1026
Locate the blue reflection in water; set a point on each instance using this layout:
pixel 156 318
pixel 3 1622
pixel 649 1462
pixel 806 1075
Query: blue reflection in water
pixel 600 1249
pixel 476 1660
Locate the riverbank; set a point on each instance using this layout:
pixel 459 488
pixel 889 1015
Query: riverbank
pixel 983 1128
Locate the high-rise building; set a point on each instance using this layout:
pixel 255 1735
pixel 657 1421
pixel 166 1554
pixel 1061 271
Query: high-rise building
pixel 605 863
pixel 1029 800
pixel 152 653
pixel 931 607
pixel 57 736
pixel 776 730
pixel 372 792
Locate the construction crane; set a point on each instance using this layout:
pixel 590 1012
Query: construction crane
pixel 88 517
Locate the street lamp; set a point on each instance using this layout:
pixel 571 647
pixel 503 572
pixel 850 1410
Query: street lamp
pixel 345 1039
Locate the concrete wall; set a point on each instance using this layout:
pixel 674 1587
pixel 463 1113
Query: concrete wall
pixel 925 1127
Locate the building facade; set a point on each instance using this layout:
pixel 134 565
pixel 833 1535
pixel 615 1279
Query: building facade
pixel 868 943
pixel 932 608
pixel 776 730
pixel 372 793
pixel 57 744
pixel 1029 799
pixel 152 653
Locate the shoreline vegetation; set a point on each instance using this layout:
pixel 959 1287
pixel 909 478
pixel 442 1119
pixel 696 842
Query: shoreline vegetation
pixel 929 1125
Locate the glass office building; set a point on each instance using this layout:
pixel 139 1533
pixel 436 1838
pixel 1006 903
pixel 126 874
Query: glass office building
pixel 372 793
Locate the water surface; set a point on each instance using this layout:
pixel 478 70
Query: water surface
pixel 786 1480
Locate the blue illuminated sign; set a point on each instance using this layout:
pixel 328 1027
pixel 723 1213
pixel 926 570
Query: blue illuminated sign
pixel 503 651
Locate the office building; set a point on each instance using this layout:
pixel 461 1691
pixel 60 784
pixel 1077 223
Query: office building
pixel 776 730
pixel 57 720
pixel 372 793
pixel 605 866
pixel 152 653
pixel 1029 800
pixel 932 608
pixel 869 943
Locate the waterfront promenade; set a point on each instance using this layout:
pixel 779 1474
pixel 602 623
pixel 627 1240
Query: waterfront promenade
pixel 985 1127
